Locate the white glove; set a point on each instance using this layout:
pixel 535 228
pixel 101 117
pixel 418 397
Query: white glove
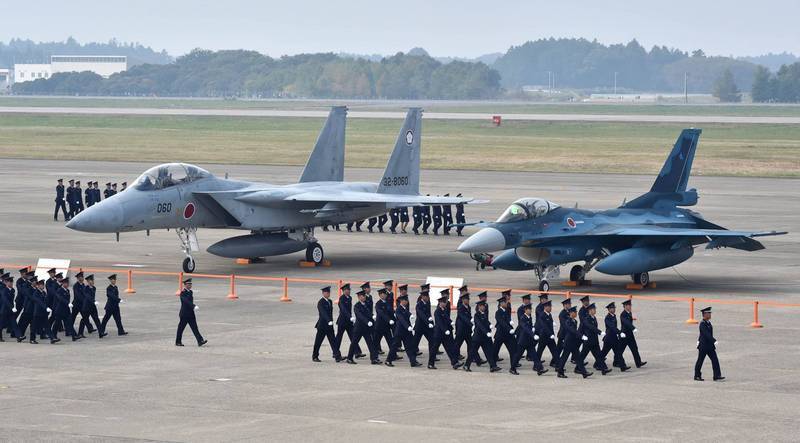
pixel 553 337
pixel 391 322
pixel 353 319
pixel 715 342
pixel 511 331
pixel 330 323
pixel 635 330
pixel 374 316
pixel 413 318
pixel 430 325
pixel 15 309
pixel 446 332
pixel 698 342
pixel 472 320
pixel 49 310
pixel 554 325
pixel 584 338
pixel 622 335
pixel 369 323
pixel 511 323
pixel 535 337
pixel 602 334
pixel 96 304
pixel 196 307
pixel 430 319
pixel 410 329
pixel 489 334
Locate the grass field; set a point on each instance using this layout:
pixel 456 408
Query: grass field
pixel 741 150
pixel 437 106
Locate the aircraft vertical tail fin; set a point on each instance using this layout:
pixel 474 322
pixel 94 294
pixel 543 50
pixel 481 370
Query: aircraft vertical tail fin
pixel 326 162
pixel 402 172
pixel 669 188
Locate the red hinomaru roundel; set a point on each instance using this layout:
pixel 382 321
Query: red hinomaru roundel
pixel 571 222
pixel 188 211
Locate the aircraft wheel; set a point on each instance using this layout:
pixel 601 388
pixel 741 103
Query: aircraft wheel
pixel 544 286
pixel 576 273
pixel 188 265
pixel 314 253
pixel 642 278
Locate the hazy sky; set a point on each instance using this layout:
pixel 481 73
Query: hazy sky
pixel 443 27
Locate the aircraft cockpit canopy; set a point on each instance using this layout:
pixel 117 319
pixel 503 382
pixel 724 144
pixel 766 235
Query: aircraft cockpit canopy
pixel 168 175
pixel 525 209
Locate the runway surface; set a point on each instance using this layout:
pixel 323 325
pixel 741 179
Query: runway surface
pixel 698 119
pixel 256 381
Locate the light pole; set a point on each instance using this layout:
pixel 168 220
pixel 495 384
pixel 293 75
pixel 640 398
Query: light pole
pixel 615 82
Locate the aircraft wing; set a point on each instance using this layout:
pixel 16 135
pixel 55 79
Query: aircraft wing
pixel 359 197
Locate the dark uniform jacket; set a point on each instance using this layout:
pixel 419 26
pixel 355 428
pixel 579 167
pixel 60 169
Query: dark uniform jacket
pixel 59 192
pixel 89 196
pixel 6 299
pixel 51 286
pixel 77 294
pixel 382 315
pixel 23 289
pixel 187 305
pixel 61 303
pixel 562 318
pixel 89 294
pixel 706 339
pixel 443 322
pixel 626 319
pixel 463 318
pixel 525 330
pixel 520 313
pixel 437 211
pixel 403 322
pixel 544 325
pixel 571 336
pixel 38 298
pixel 502 325
pixel 325 311
pixel 363 317
pixel 590 330
pixel 30 293
pixel 612 332
pixel 582 313
pixel 112 296
pixel 390 303
pixel 482 327
pixel 345 310
pixel 423 311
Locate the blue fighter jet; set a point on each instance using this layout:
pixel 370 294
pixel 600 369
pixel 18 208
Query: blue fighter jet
pixel 648 233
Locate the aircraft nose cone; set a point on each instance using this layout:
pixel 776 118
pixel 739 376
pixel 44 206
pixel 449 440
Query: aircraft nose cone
pixel 102 217
pixel 485 240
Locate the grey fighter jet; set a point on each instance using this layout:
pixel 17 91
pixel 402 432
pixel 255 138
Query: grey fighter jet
pixel 648 233
pixel 281 218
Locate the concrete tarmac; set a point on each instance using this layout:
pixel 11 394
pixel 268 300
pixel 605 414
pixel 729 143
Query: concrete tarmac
pixel 631 118
pixel 255 380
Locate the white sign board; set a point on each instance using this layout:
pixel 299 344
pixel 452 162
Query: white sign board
pixel 439 284
pixel 44 264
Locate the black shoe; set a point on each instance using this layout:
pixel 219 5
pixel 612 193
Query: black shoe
pixel 719 378
pixel 120 333
pixel 338 359
pixel 439 352
pixel 480 362
pixel 178 344
pixel 81 336
pixel 315 359
pixel 388 363
pixel 34 342
pixel 562 375
pixel 19 340
pixel 541 371
pixel 495 369
pixel 416 364
pixel 461 357
pixel 641 364
pixel 202 342
pixel 513 371
pixel 458 365
pixel 361 355
pixel 399 357
pixel 605 371
pixel 103 334
pixel 466 369
pixel 376 362
pixel 350 361
pixel 553 365
pixel 419 353
pixel 54 341
pixel 624 368
pixel 437 359
pixel 76 338
pixel 381 353
pixel 500 359
pixel 519 365
pixel 698 378
pixel 91 331
pixel 587 374
pixel 616 365
pixel 431 367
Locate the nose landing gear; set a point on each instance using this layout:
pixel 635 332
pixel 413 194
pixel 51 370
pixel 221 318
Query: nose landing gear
pixel 188 238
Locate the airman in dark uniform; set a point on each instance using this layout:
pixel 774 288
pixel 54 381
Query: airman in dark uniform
pixel 61 311
pixel 482 337
pixel 76 307
pixel 350 226
pixel 504 329
pixel 403 334
pixel 52 286
pixel 22 285
pixel 186 315
pixel 89 309
pixel 40 313
pixel 372 222
pixel 108 192
pixel 571 339
pixel 423 324
pixel 383 321
pixel 426 217
pixel 437 219
pixel 73 207
pixel 325 326
pixel 707 346
pixel 416 214
pixel 8 317
pixel 78 196
pixel 88 195
pixel 464 323
pixel 60 203
pixel 627 334
pixel 526 339
pixel 582 313
pixel 28 305
pixel 447 217
pixel 124 186
pixel 590 335
pixel 443 333
pixel 526 301
pixel 112 306
pixel 382 219
pixel 362 329
pixel 543 328
pixel 460 217
pixel 403 214
pixel 113 189
pixel 346 319
pixel 394 214
pixel 611 341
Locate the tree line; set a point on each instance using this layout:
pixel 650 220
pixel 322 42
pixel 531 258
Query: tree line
pixel 780 87
pixel 239 73
pixel 27 51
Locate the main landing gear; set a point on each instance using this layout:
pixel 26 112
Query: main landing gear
pixel 188 238
pixel 315 253
pixel 545 274
pixel 642 278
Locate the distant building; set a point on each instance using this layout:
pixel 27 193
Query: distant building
pixel 5 80
pixel 103 65
pixel 27 72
